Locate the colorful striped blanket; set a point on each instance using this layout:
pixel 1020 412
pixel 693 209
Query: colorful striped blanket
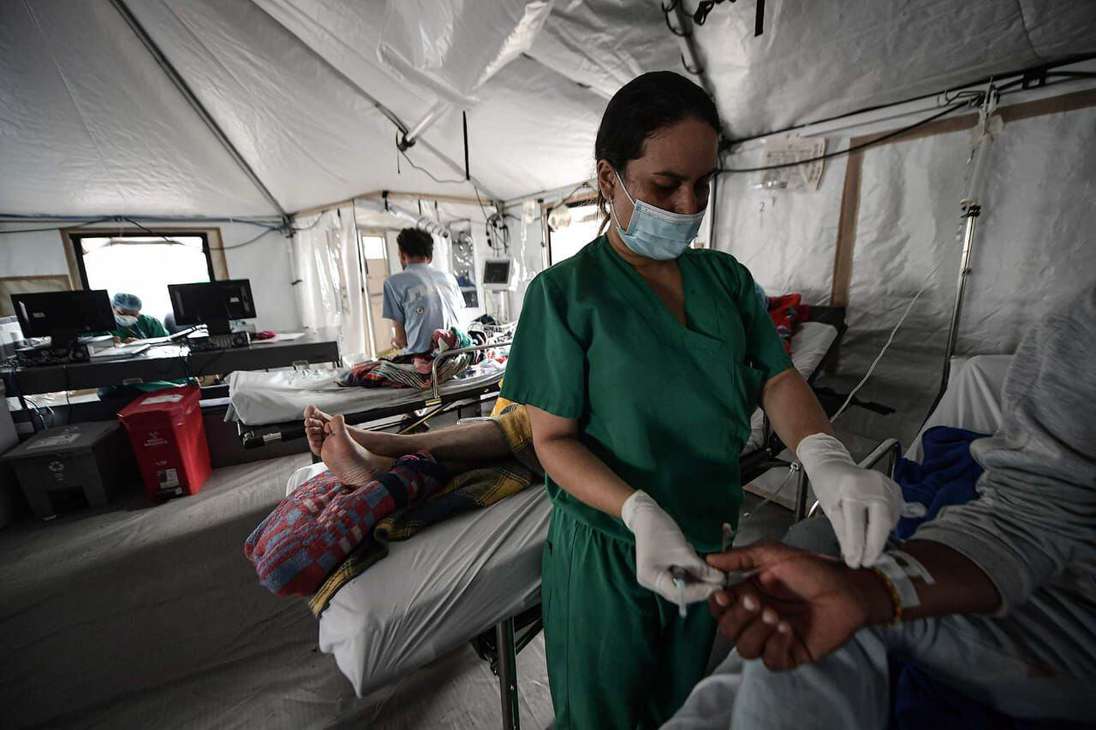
pixel 312 531
pixel 415 371
pixel 468 491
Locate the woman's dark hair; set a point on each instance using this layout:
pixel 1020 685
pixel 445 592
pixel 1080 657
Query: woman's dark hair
pixel 640 108
pixel 415 243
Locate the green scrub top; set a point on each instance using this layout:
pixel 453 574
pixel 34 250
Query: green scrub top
pixel 146 328
pixel 667 407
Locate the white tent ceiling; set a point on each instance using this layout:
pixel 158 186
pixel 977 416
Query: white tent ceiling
pixel 91 125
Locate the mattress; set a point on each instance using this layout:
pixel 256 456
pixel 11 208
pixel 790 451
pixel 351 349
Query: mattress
pixel 261 398
pixel 809 346
pixel 437 590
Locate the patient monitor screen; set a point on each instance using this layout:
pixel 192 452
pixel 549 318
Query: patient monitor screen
pixel 496 272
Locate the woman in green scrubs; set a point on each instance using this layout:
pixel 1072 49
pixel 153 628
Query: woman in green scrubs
pixel 641 361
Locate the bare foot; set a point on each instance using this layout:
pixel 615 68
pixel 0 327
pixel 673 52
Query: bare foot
pixel 314 422
pixel 376 442
pixel 351 463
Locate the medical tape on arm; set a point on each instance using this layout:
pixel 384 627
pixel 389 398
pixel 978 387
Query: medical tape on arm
pixel 897 575
pixel 912 566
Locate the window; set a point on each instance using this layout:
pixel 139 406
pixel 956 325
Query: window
pixel 569 239
pixel 145 263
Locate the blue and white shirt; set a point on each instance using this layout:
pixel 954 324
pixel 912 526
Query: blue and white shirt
pixel 422 299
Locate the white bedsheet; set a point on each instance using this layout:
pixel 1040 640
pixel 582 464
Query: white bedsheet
pixel 809 345
pixel 972 399
pixel 260 398
pixel 436 590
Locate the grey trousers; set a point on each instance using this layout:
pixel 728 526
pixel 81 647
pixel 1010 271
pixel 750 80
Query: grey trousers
pixel 1024 665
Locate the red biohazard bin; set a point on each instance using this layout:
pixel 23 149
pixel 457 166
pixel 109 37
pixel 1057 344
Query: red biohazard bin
pixel 168 438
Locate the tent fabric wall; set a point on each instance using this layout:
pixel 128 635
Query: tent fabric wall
pixel 453 47
pixel 811 64
pixel 94 127
pixel 310 136
pixel 604 44
pixel 90 124
pixel 785 238
pixel 1037 244
pixel 1034 248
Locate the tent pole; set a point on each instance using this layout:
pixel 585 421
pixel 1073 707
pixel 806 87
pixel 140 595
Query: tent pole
pixel 432 115
pixel 192 99
pixel 971 209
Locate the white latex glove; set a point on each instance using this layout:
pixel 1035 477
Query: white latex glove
pixel 660 546
pixel 863 505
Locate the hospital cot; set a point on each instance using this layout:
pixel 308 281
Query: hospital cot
pixel 475 578
pixel 269 406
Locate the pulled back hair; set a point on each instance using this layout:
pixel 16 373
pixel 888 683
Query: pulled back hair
pixel 642 107
pixel 416 243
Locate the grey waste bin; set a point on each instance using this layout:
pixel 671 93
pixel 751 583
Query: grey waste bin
pixel 62 469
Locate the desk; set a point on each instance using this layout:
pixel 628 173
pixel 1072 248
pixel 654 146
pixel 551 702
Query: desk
pixel 169 362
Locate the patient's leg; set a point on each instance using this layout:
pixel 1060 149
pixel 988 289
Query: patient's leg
pixel 351 463
pixel 471 442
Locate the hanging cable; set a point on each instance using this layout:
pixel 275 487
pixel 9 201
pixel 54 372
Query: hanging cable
pixel 886 345
pixel 249 241
pixel 483 209
pixel 854 148
pixel 154 233
pixel 666 16
pixel 423 170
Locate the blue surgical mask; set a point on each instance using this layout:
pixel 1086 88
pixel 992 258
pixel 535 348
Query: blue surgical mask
pixel 656 233
pixel 125 320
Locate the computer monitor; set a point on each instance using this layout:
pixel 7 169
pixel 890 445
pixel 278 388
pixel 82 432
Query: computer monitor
pixel 212 303
pixel 63 315
pixel 496 274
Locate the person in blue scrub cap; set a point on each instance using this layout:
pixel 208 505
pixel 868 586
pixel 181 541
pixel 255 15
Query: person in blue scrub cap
pixel 132 325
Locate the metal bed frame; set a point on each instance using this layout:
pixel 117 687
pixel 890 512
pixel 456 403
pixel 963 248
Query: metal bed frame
pixel 433 400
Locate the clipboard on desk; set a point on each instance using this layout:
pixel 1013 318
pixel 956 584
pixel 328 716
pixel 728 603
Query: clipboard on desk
pixel 120 352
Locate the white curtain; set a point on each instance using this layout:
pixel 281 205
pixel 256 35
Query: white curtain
pixel 330 287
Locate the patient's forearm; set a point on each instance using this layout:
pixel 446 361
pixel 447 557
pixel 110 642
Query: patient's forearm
pixel 959 587
pixel 793 409
pixel 575 468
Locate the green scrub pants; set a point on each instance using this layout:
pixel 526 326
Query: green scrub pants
pixel 619 656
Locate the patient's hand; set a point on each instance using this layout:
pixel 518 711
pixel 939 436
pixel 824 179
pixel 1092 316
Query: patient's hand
pixel 799 608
